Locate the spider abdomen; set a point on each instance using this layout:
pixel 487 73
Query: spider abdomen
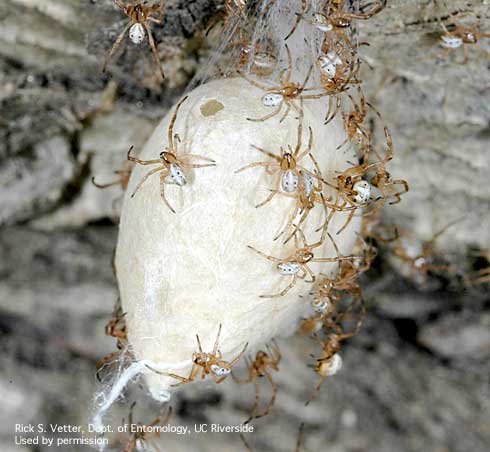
pixel 137 33
pixel 289 181
pixel 363 191
pixel 288 268
pixel 177 175
pixel 272 99
pixel 451 42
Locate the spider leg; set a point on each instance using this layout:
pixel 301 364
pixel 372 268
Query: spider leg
pixel 131 444
pixel 398 194
pixel 141 162
pixel 146 176
pixel 309 272
pixel 288 109
pixel 215 347
pixel 115 46
pixel 284 291
pixel 204 165
pixel 310 142
pixel 270 115
pixel 484 52
pixel 270 154
pixel 252 165
pixel 182 379
pixel 307 78
pixel 245 443
pixel 481 277
pixel 275 353
pixel 289 223
pixel 315 96
pixel 273 397
pixel 299 440
pixel 316 390
pixel 331 115
pixel 163 175
pixel 375 10
pixel 269 198
pixel 110 184
pixel 298 109
pixel 270 258
pixel 254 83
pixel 119 4
pixel 172 123
pixel 154 50
pixel 287 78
pixel 256 403
pixel 245 380
pixel 237 358
pixel 196 156
pixel 306 6
pixel 349 219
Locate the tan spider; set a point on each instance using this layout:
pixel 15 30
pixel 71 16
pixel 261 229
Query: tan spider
pixel 334 18
pixel 457 36
pixel 116 327
pixel 260 367
pixel 352 188
pixel 383 181
pixel 423 261
pixel 140 15
pixel 171 166
pixel 291 174
pixel 296 264
pixel 285 93
pixel 330 361
pixel 209 363
pixel 139 437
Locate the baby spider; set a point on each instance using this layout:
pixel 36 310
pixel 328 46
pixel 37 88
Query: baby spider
pixel 383 181
pixel 171 165
pixel 423 261
pixel 284 93
pixel 354 191
pixel 231 11
pixel 258 58
pixel 260 367
pixel 334 18
pixel 140 433
pixel 330 361
pixel 140 15
pixel 354 120
pixel 460 36
pixel 209 363
pixel 296 265
pixel 116 327
pixel 286 164
pixel 329 292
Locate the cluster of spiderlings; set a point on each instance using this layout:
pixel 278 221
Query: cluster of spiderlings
pixel 314 57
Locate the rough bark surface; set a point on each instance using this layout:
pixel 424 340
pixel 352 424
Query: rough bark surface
pixel 416 378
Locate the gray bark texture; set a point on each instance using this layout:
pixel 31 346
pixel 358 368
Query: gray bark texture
pixel 414 379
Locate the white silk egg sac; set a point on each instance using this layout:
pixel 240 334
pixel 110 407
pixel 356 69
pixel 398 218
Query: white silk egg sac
pixel 186 273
